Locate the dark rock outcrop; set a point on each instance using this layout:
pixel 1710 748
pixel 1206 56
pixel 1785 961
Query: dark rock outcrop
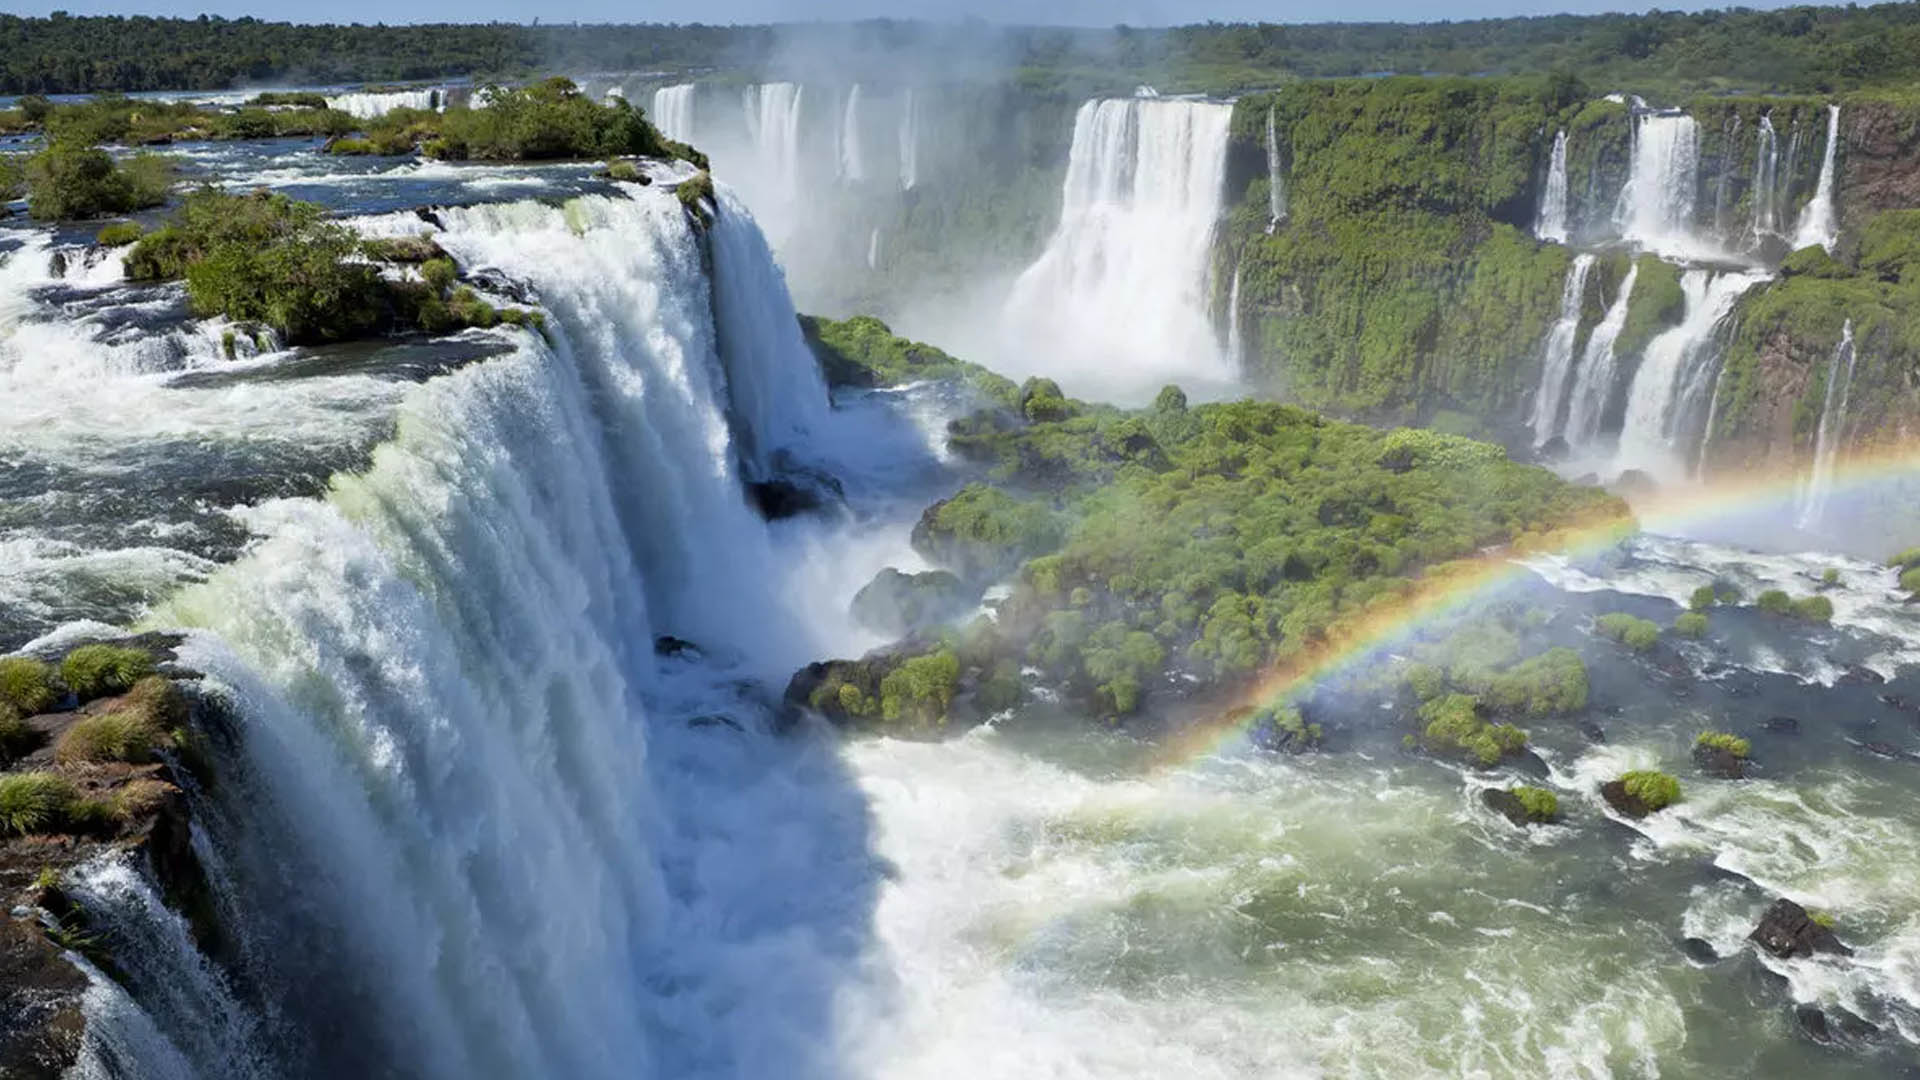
pixel 1624 801
pixel 1506 804
pixel 1783 725
pixel 1719 761
pixel 898 604
pixel 1788 931
pixel 1699 950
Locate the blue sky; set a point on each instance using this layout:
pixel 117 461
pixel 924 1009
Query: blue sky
pixel 1080 12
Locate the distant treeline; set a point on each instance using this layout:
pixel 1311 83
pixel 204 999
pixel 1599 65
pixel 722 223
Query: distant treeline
pixel 1813 49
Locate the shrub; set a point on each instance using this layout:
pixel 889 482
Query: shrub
pixel 138 799
pixel 68 181
pixel 92 671
pixel 1813 609
pixel 697 196
pixel 1830 578
pixel 439 274
pixel 27 684
pixel 15 735
pixel 1690 624
pixel 1910 580
pixel 1553 683
pixel 1041 401
pixel 33 802
pixel 118 234
pixel 1632 631
pixel 1702 598
pixel 1720 740
pixel 1774 602
pixel 1906 560
pixel 919 690
pixel 130 736
pixel 1655 789
pixel 626 171
pixel 1540 804
pixel 1454 725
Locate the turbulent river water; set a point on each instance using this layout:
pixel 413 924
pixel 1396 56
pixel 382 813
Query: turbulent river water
pixel 477 827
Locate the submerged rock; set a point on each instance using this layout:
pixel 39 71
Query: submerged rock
pixel 1788 931
pixel 1699 950
pixel 1719 761
pixel 1783 725
pixel 668 645
pixel 1512 805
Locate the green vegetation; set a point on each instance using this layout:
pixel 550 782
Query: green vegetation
pixel 1829 578
pixel 34 802
pixel 1910 580
pixel 27 685
pixel 1482 658
pixel 1821 918
pixel 93 671
pixel 862 351
pixel 549 120
pixel 118 234
pixel 1655 790
pixel 1720 740
pixel 1454 726
pixel 1702 598
pixel 1286 728
pixel 1808 608
pixel 151 716
pixel 67 181
pixel 1540 804
pixel 1630 630
pixel 1691 624
pixel 696 196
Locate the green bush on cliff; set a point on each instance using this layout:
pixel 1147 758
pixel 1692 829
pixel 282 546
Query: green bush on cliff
pixel 862 351
pixel 1540 804
pixel 67 181
pixel 548 120
pixel 920 689
pixel 27 684
pixel 93 671
pixel 34 802
pixel 1656 790
pixel 1630 630
pixel 1906 560
pixel 1910 580
pixel 1720 740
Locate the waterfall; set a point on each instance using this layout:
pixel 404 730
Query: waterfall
pixel 873 250
pixel 1120 295
pixel 910 142
pixel 1766 173
pixel 1818 224
pixel 673 111
pixel 1551 224
pixel 1556 359
pixel 1276 181
pixel 1655 210
pixel 1675 374
pixel 1832 430
pixel 466 819
pixel 1593 386
pixel 773 125
pixel 852 162
pixel 366 106
pixel 1730 139
pixel 1236 345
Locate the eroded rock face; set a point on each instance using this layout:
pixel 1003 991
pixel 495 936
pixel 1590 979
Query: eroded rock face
pixel 1882 170
pixel 1788 931
pixel 41 1026
pixel 898 604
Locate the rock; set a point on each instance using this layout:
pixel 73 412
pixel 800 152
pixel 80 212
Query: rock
pixel 1506 804
pixel 715 720
pixel 668 645
pixel 1787 931
pixel 1634 482
pixel 1555 449
pixel 1719 761
pixel 1783 725
pixel 1629 805
pixel 41 1025
pixel 1813 1022
pixel 794 489
pixel 1593 732
pixel 1884 749
pixel 898 604
pixel 1699 950
pixel 1895 701
pixel 1855 675
pixel 427 214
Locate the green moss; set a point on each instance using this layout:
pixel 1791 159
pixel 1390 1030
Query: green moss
pixel 697 196
pixel 1821 918
pixel 1720 740
pixel 27 684
pixel 1890 246
pixel 1540 804
pixel 1657 304
pixel 1906 560
pixel 1632 631
pixel 33 802
pixel 1702 598
pixel 1656 790
pixel 93 671
pixel 862 351
pixel 1813 261
pixel 1691 624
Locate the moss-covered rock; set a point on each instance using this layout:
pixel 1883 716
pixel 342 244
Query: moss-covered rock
pixel 899 604
pixel 1641 792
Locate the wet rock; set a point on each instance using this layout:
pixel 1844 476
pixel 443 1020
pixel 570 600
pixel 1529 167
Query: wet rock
pixel 1895 701
pixel 1855 675
pixel 1508 805
pixel 428 214
pixel 1883 749
pixel 668 645
pixel 1783 725
pixel 715 720
pixel 1813 1022
pixel 1719 761
pixel 1699 950
pixel 1623 801
pixel 897 604
pixel 1787 931
pixel 794 489
pixel 41 1025
pixel 1555 449
pixel 1593 732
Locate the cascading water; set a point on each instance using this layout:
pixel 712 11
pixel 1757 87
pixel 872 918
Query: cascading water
pixel 1766 174
pixel 1118 301
pixel 1556 354
pixel 910 142
pixel 853 168
pixel 1655 210
pixel 1236 346
pixel 873 250
pixel 1593 385
pixel 673 111
pixel 773 126
pixel 1818 221
pixel 1671 385
pixel 1729 141
pixel 1832 432
pixel 1551 222
pixel 366 106
pixel 1276 179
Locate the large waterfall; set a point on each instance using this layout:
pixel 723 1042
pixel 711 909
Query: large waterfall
pixel 673 111
pixel 1556 354
pixel 1551 222
pixel 1119 299
pixel 1671 386
pixel 467 829
pixel 1656 206
pixel 1593 386
pixel 1818 222
pixel 1831 433
pixel 1766 174
pixel 773 126
pixel 853 167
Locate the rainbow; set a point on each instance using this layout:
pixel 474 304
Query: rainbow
pixel 1449 589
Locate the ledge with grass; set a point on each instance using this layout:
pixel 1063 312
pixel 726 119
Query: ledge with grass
pixel 1641 792
pixel 1718 753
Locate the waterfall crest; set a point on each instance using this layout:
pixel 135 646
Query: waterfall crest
pixel 1766 180
pixel 1833 421
pixel 1671 385
pixel 1556 353
pixel 1120 295
pixel 773 126
pixel 673 111
pixel 1551 223
pixel 1655 209
pixel 1593 386
pixel 365 106
pixel 1818 222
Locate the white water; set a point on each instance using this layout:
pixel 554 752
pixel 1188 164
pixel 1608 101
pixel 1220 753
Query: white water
pixel 1831 434
pixel 1818 221
pixel 1593 385
pixel 1675 374
pixel 1551 224
pixel 1556 353
pixel 773 126
pixel 1766 179
pixel 910 142
pixel 873 250
pixel 853 168
pixel 1655 210
pixel 1118 301
pixel 369 106
pixel 1236 344
pixel 1276 180
pixel 673 111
